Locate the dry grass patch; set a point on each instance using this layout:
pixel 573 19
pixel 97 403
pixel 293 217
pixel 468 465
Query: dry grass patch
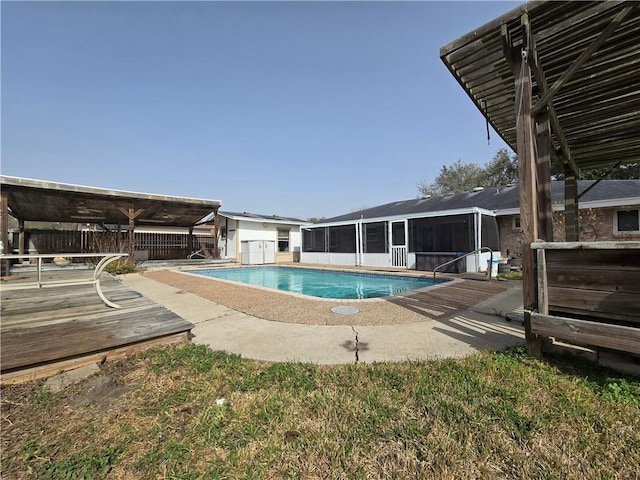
pixel 188 412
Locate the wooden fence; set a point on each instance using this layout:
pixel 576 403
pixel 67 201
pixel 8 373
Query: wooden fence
pixel 148 245
pixel 588 294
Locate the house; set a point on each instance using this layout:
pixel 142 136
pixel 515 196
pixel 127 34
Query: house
pixel 423 233
pixel 278 239
pixel 609 210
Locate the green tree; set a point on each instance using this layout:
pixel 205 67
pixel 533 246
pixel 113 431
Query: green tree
pixel 460 177
pixel 630 171
pixel 455 178
pixel 501 170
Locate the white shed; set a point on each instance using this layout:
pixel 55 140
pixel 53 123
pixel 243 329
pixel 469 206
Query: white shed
pixel 260 233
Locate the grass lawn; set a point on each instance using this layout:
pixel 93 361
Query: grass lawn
pixel 187 412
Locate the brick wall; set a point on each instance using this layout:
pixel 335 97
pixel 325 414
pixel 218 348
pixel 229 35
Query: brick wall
pixel 595 225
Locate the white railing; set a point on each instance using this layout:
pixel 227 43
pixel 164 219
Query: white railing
pixel 398 256
pixel 95 280
pixel 478 250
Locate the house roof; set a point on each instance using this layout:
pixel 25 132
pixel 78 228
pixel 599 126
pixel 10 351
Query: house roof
pixel 502 200
pixel 256 217
pixel 584 60
pixel 40 200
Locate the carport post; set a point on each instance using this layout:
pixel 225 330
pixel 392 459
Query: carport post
pixel 131 213
pixel 527 174
pixel 216 229
pixel 4 220
pixel 21 237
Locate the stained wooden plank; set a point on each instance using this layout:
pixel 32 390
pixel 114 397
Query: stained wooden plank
pixel 596 303
pixel 449 299
pixel 583 332
pixel 605 245
pixel 40 326
pixel 43 343
pixel 595 277
pixel 42 371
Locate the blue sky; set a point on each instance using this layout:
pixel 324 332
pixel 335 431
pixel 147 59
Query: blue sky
pixel 292 108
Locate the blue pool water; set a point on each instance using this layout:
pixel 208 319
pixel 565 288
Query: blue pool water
pixel 321 283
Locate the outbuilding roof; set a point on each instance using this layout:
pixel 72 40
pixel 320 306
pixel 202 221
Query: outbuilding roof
pixel 502 200
pixel 257 217
pixel 41 200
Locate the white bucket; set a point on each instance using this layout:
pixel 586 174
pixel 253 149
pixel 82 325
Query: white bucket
pixel 493 265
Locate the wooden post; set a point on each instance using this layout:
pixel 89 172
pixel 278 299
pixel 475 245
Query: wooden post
pixel 543 167
pixel 132 237
pixel 190 241
pixel 131 213
pixel 21 237
pixel 4 220
pixel 527 178
pixel 571 225
pixel 216 229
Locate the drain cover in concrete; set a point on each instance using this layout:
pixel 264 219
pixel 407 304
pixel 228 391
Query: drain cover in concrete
pixel 345 310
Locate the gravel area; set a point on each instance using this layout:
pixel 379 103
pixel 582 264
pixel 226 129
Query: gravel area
pixel 434 303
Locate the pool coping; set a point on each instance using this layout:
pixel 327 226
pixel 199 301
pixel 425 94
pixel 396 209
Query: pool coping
pixel 447 282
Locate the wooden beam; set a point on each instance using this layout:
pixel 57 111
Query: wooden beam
pixel 527 178
pixel 54 368
pixel 584 56
pixel 507 48
pixel 21 237
pixel 617 337
pixel 543 168
pixel 131 213
pixel 216 229
pixel 539 75
pixel 4 221
pixel 571 222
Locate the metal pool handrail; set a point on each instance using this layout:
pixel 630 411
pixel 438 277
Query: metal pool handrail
pixel 478 250
pixel 95 280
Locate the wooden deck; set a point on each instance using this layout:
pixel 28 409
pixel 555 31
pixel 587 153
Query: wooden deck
pixel 450 299
pixel 43 331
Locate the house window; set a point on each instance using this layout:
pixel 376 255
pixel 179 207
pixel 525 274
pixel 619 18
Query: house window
pixel 283 240
pixel 516 223
pixel 627 221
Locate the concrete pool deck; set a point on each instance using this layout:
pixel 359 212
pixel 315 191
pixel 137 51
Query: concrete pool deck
pixel 480 327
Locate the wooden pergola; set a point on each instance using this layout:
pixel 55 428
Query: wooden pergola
pixel 560 83
pixel 40 200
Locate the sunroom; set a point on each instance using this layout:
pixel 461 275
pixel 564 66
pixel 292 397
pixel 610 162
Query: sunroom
pixel 420 241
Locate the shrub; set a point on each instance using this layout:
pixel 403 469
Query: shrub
pixel 120 266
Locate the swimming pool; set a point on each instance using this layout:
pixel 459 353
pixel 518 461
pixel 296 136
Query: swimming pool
pixel 322 283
